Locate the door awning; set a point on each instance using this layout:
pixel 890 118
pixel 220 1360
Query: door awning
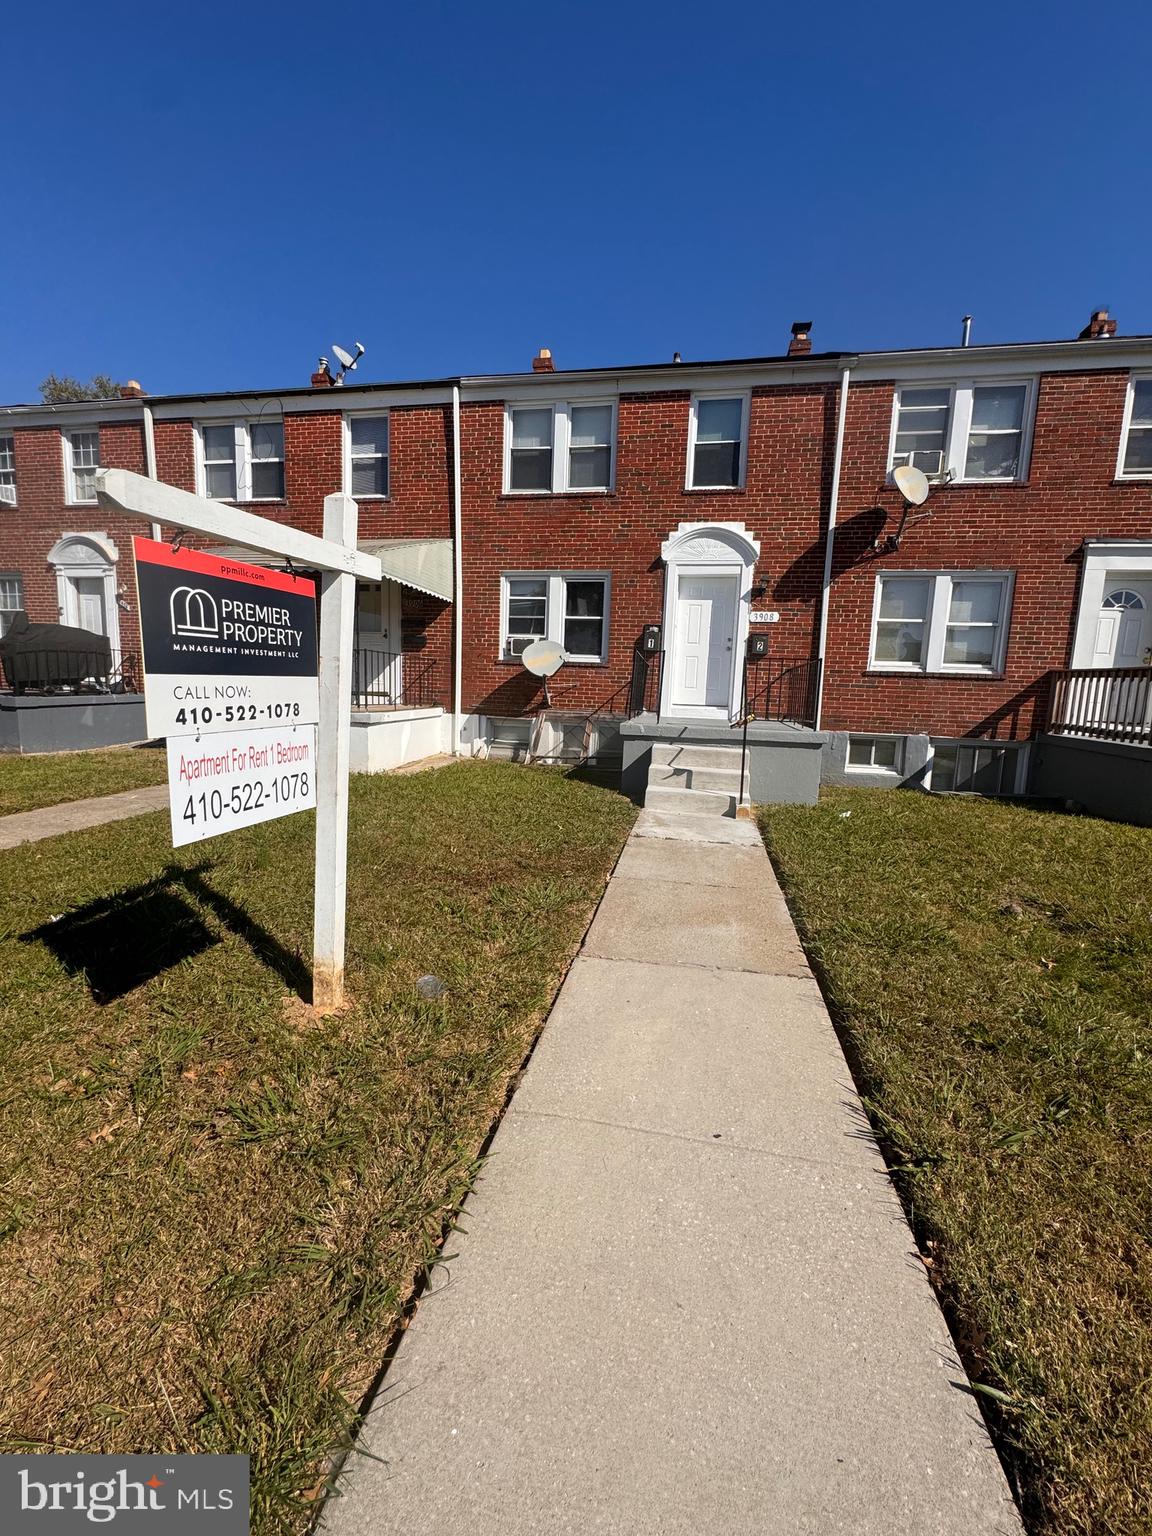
pixel 425 564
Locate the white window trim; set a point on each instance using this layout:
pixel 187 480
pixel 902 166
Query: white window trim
pixel 561 443
pixel 242 452
pixel 745 398
pixel 7 501
pixel 70 497
pixel 18 578
pixel 1129 401
pixel 960 425
pixel 872 767
pixel 554 610
pixel 346 451
pixel 936 624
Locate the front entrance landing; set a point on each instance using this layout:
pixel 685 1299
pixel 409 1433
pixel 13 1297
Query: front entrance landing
pixel 684 1300
pixel 782 766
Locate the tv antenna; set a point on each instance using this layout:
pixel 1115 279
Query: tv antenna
pixel 914 486
pixel 346 360
pixel 544 658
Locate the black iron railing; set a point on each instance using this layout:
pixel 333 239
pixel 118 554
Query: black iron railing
pixel 392 680
pixel 50 671
pixel 1108 703
pixel 644 686
pixel 785 690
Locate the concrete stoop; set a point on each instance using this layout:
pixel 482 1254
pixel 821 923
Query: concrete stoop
pixel 696 781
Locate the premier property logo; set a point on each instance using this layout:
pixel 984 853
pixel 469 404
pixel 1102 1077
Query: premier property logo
pixel 141 1495
pixel 193 612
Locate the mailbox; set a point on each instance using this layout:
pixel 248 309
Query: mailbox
pixel 757 647
pixel 650 639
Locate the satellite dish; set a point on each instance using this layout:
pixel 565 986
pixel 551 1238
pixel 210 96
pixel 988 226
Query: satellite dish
pixel 543 658
pixel 912 483
pixel 342 356
pixel 347 360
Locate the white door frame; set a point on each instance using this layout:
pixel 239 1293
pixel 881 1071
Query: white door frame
pixel 91 555
pixel 1107 563
pixel 707 549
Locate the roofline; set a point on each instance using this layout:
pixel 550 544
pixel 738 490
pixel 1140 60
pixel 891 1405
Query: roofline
pixel 878 364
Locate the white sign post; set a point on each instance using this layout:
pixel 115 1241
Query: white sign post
pixel 340 563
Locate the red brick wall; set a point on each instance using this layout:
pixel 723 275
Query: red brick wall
pixel 41 516
pixel 1034 529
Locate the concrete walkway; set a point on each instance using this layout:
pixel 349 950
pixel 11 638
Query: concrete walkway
pixel 76 815
pixel 687 1300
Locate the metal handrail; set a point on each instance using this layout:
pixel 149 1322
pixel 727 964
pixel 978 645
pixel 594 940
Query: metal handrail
pixel 417 688
pixel 1105 703
pixel 60 670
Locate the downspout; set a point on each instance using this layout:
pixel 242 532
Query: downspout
pixel 830 540
pixel 150 456
pixel 457 577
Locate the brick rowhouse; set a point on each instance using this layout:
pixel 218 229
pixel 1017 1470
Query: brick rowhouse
pixel 1072 488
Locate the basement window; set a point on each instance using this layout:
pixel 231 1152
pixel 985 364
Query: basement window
pixel 8 470
pixel 976 767
pixel 875 754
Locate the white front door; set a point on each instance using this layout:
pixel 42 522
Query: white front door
pixel 378 670
pixel 1124 627
pixel 86 604
pixel 703 646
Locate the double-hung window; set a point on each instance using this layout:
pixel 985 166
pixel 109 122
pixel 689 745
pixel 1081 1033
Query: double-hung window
pixel 1136 438
pixel 8 469
pixel 242 460
pixel 81 461
pixel 367 456
pixel 717 442
pixel 941 621
pixel 977 432
pixel 564 446
pixel 569 607
pixel 11 600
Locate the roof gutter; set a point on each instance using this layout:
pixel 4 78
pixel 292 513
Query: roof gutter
pixel 830 537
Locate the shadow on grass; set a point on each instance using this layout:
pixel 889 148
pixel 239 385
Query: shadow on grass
pixel 120 942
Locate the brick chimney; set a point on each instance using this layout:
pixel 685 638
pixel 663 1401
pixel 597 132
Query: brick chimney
pixel 542 362
pixel 322 379
pixel 801 343
pixel 132 390
pixel 1099 328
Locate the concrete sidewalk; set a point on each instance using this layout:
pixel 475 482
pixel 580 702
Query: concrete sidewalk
pixel 687 1300
pixel 77 815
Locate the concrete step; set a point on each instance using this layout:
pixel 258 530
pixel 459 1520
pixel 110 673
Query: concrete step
pixel 725 780
pixel 676 755
pixel 691 802
pixel 696 829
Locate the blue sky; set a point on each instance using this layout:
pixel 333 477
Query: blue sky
pixel 206 197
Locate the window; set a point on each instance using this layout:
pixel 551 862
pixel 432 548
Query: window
pixel 922 429
pixel 241 460
pixel 941 621
pixel 560 447
pixel 8 470
pixel 81 461
pixel 367 474
pixel 570 608
pixel 978 431
pixel 876 754
pixel 983 768
pixel 11 600
pixel 1136 439
pixel 716 442
pixel 266 439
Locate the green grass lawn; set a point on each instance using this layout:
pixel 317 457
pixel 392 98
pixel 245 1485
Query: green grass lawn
pixel 28 783
pixel 213 1206
pixel 991 967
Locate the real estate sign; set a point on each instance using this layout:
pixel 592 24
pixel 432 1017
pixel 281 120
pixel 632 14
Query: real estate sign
pixel 226 645
pixel 219 782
